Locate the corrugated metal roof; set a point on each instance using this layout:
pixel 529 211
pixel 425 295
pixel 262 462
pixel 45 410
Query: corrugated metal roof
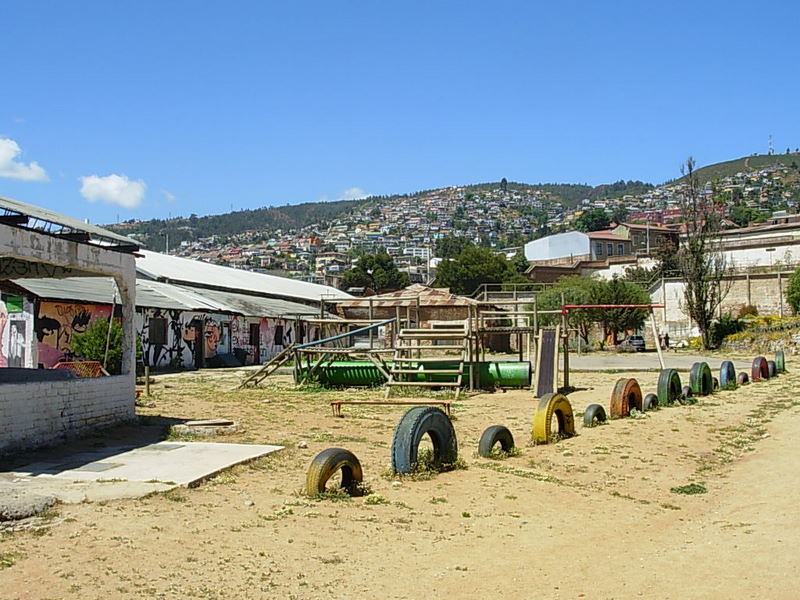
pixel 53 223
pixel 155 294
pixel 193 272
pixel 428 296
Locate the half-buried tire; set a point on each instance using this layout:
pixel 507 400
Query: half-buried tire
pixel 593 415
pixel 650 402
pixel 686 393
pixel 743 378
pixel 626 395
pixel 700 379
pixel 552 405
pixel 727 374
pixel 760 369
pixel 669 387
pixel 492 436
pixel 326 464
pixel 417 422
pixel 780 361
pixel 773 369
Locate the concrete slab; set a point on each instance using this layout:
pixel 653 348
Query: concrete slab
pixel 128 471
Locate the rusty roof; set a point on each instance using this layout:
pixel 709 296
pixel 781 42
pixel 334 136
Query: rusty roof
pixel 428 296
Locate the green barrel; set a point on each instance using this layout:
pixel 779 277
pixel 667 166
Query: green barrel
pixel 364 373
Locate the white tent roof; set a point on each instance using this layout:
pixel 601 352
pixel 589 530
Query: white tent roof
pixel 174 269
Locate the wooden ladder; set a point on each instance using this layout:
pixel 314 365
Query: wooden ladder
pixel 277 361
pixel 411 352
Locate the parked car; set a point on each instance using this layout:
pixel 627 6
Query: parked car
pixel 633 343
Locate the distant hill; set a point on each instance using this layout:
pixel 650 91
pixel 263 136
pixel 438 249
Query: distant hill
pixel 744 165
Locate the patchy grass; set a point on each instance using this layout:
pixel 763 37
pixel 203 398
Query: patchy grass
pixel 690 489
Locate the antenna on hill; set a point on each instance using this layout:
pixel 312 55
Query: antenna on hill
pixel 771 150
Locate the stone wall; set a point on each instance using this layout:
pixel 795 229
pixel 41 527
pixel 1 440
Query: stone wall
pixel 54 411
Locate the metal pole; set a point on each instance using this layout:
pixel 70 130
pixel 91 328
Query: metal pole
pixel 655 337
pixel 370 318
pixel 110 323
pixel 146 380
pixel 565 336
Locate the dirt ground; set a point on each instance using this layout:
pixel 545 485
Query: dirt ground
pixel 593 516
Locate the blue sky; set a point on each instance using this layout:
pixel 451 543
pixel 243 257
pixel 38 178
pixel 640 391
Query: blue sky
pixel 112 110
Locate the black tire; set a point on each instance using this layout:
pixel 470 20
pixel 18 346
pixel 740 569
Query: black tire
pixel 409 431
pixel 773 368
pixel 326 464
pixel 493 435
pixel 594 414
pixel 727 374
pixel 743 378
pixel 669 387
pixel 650 402
pixel 686 392
pixel 714 384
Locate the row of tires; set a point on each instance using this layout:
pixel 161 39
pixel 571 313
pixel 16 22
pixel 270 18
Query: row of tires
pixel 428 420
pixel 627 393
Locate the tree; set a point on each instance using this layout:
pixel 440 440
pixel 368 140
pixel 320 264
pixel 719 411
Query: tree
pixel 793 291
pixel 474 267
pixel 576 289
pixel 376 272
pixel 620 214
pixel 450 246
pixel 620 320
pixel 91 345
pixel 504 184
pixel 700 262
pixel 594 219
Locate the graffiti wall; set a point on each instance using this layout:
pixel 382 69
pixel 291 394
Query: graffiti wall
pixel 186 339
pixel 16 332
pixel 57 322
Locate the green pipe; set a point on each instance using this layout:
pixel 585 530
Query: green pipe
pixel 363 373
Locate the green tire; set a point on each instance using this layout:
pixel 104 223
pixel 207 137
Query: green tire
pixel 700 379
pixel 669 387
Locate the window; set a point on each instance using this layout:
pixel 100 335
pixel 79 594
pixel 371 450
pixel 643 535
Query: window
pixel 598 248
pixel 620 249
pixel 157 331
pixel 278 339
pixel 255 335
pixel 610 248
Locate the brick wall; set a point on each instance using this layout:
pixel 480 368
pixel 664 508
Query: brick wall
pixel 48 412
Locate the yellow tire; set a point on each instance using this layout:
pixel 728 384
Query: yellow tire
pixel 549 405
pixel 329 462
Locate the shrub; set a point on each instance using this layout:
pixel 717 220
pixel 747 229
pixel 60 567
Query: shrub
pixel 91 345
pixel 725 326
pixel 748 310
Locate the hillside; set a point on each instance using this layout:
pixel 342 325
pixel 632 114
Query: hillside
pixel 746 164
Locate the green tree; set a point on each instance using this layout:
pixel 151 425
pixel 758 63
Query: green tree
pixel 91 344
pixel 575 289
pixel 376 272
pixel 450 246
pixel 620 214
pixel 620 320
pixel 594 219
pixel 474 267
pixel 793 291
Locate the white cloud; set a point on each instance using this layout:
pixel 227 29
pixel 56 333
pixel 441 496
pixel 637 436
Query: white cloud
pixel 113 189
pixel 12 168
pixel 353 193
pixel 168 196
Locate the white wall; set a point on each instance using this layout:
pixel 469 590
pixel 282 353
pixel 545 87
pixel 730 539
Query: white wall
pixel 54 411
pixel 560 245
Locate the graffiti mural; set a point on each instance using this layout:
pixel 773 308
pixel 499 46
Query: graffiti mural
pixel 57 322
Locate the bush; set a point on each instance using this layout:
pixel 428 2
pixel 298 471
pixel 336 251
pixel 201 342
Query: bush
pixel 748 310
pixel 725 326
pixel 793 291
pixel 91 344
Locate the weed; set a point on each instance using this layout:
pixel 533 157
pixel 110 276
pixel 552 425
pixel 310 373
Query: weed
pixel 8 559
pixel 281 514
pixel 375 499
pixel 497 453
pixel 438 500
pixel 690 489
pixel 175 496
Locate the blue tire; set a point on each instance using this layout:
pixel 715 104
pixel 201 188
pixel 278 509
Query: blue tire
pixel 727 374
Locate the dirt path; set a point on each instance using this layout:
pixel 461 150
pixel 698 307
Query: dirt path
pixel 589 517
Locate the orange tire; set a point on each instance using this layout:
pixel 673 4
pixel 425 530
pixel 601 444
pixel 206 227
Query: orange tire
pixel 626 395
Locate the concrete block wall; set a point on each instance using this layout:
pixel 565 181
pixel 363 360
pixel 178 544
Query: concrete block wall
pixel 44 413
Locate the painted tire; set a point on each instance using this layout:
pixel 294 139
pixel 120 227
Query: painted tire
pixel 326 464
pixel 743 378
pixel 549 405
pixel 493 435
pixel 773 368
pixel 650 402
pixel 669 386
pixel 593 415
pixel 409 431
pixel 727 374
pixel 780 361
pixel 760 369
pixel 700 379
pixel 626 395
pixel 686 393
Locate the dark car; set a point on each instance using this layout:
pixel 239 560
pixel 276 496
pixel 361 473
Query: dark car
pixel 633 343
